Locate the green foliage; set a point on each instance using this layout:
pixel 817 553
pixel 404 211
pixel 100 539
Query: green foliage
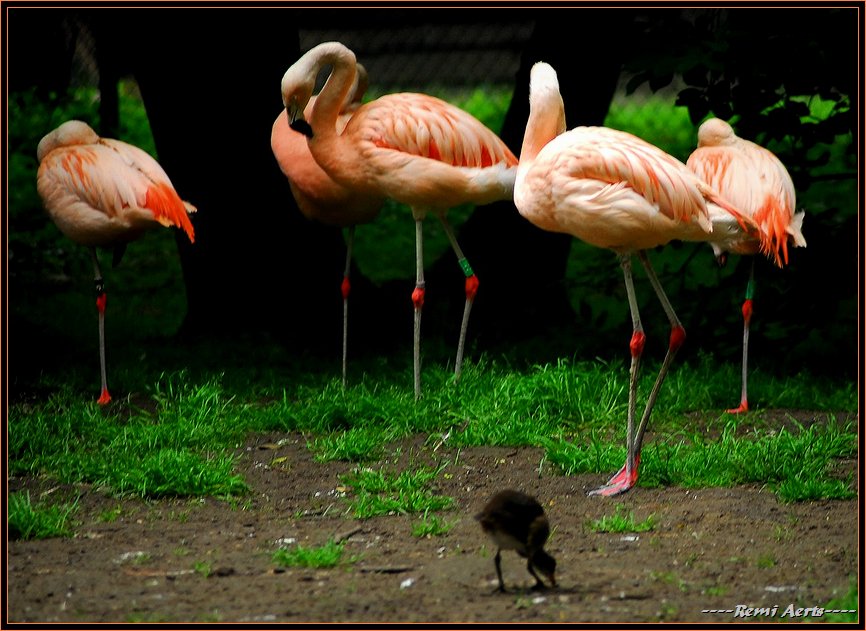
pixel 796 464
pixel 180 450
pixel 382 493
pixel 327 555
pixel 431 526
pixel 38 521
pixel 622 521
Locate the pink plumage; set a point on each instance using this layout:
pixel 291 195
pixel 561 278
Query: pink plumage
pixel 614 190
pixel 412 148
pixel 757 182
pixel 104 193
pixel 754 180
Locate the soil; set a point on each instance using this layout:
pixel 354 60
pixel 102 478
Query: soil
pixel 210 560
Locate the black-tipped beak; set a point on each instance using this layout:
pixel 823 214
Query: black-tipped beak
pixel 297 122
pixel 302 127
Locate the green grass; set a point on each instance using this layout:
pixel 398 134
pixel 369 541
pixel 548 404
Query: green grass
pixel 431 526
pixel 622 521
pixel 796 464
pixel 328 555
pixel 379 492
pixel 181 449
pixel 28 520
pixel 847 602
pixel 182 443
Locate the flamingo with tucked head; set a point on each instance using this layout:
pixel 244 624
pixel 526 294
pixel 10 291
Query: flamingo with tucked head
pixel 102 192
pixel 616 191
pixel 413 148
pixel 756 182
pixel 320 197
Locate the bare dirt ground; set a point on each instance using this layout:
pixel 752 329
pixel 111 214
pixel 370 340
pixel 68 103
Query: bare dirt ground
pixel 211 560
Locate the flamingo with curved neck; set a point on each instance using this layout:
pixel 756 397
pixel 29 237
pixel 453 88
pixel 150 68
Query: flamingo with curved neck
pixel 317 195
pixel 413 148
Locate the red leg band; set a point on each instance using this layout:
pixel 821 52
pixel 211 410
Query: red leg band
pixel 747 310
pixel 471 287
pixel 678 336
pixel 100 303
pixel 345 287
pixel 638 339
pixel 418 297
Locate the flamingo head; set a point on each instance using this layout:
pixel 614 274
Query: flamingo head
pixel 72 132
pixel 715 132
pixel 297 89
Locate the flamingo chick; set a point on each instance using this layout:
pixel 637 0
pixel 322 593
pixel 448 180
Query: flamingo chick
pixel 104 193
pixel 318 196
pixel 615 191
pixel 415 149
pixel 755 181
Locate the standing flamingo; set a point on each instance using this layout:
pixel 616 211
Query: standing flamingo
pixel 412 148
pixel 104 193
pixel 754 180
pixel 318 196
pixel 616 191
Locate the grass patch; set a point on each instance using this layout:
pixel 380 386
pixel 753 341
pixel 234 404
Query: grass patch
pixel 622 521
pixel 181 441
pixel 179 450
pixel 431 526
pixel 327 555
pixel 848 603
pixel 378 492
pixel 28 520
pixel 796 464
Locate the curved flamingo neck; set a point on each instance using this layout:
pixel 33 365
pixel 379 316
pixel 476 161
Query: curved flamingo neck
pixel 336 89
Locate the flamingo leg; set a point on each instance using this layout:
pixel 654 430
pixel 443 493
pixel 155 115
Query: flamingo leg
pixel 345 288
pixel 625 478
pixel 678 336
pixel 747 319
pixel 99 284
pixel 418 302
pixel 471 290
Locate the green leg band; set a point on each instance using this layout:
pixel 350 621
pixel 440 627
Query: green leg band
pixel 467 269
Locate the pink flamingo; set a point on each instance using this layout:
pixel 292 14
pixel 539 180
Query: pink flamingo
pixel 104 193
pixel 412 148
pixel 616 191
pixel 755 181
pixel 318 196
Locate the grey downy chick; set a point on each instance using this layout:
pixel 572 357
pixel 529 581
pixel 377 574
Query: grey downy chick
pixel 516 521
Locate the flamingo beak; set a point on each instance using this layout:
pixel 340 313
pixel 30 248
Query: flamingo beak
pixel 297 122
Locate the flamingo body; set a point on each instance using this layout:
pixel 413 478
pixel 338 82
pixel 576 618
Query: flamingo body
pixel 616 191
pixel 756 181
pixel 104 193
pixel 415 149
pixel 320 197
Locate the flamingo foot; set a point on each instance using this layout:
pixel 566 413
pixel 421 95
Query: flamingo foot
pixel 621 482
pixel 743 407
pixel 104 398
